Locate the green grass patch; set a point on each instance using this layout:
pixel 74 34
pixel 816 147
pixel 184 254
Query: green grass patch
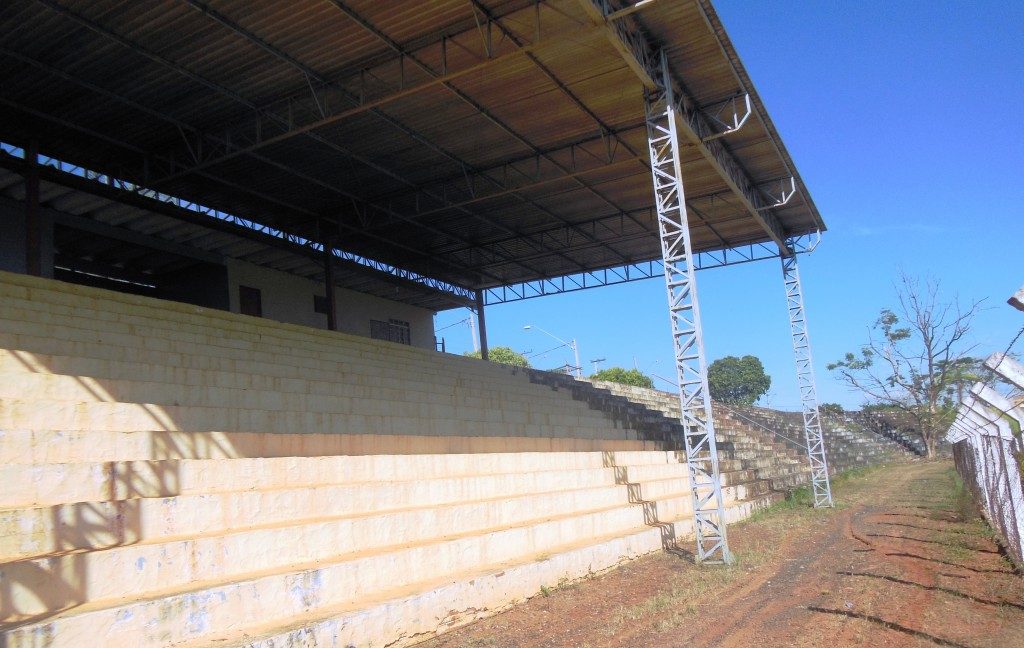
pixel 963 501
pixel 802 499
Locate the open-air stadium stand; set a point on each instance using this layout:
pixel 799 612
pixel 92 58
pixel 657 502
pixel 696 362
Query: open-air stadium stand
pixel 780 434
pixel 178 473
pixel 172 474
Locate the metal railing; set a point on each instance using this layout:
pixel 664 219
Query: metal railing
pixel 752 422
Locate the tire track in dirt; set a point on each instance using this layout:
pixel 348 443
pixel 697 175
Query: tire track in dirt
pixel 805 581
pixel 892 566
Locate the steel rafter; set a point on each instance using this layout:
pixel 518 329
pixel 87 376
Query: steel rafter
pixel 311 74
pixel 364 209
pixel 805 380
pixel 525 173
pixel 638 271
pixel 635 50
pixel 459 269
pixel 406 55
pixel 123 191
pixel 351 87
pixel 684 309
pixel 743 82
pixel 604 128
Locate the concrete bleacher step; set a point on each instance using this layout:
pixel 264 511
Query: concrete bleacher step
pixel 209 386
pixel 171 417
pixel 226 334
pixel 363 417
pixel 174 563
pixel 277 551
pixel 752 448
pixel 96 524
pixel 56 446
pixel 220 371
pixel 254 371
pixel 447 603
pixel 127 501
pixel 77 482
pixel 305 590
pixel 129 516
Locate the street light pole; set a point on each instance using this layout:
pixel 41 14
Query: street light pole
pixel 572 345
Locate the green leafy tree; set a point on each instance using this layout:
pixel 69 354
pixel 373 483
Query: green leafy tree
pixel 625 376
pixel 831 408
pixel 738 380
pixel 503 355
pixel 915 360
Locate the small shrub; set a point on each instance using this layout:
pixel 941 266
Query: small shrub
pixel 624 376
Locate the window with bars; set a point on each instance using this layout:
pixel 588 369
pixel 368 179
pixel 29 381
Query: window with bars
pixel 392 330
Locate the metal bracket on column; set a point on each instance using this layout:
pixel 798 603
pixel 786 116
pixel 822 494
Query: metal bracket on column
pixel 784 194
pixel 715 113
pixel 691 365
pixel 820 485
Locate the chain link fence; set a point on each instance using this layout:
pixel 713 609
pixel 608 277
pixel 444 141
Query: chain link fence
pixel 987 445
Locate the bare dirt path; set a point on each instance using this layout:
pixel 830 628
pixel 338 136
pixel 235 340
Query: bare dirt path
pixel 902 561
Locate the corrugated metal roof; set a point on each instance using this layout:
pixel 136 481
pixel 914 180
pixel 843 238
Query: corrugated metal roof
pixel 478 142
pixel 164 244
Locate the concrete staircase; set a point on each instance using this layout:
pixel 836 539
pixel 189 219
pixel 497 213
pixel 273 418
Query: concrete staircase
pixel 847 445
pixel 179 476
pixel 892 427
pixel 771 441
pixel 753 447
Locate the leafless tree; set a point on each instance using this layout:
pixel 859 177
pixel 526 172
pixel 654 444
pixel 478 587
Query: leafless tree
pixel 916 359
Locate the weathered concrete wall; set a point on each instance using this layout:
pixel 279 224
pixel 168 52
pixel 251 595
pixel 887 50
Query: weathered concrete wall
pixel 287 298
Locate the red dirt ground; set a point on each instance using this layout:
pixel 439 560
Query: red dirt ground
pixel 901 561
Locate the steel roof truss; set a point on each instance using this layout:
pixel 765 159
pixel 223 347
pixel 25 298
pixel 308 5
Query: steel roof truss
pixel 635 50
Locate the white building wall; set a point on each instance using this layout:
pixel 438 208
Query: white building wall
pixel 287 298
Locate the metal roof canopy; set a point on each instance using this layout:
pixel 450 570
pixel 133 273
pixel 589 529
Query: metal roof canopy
pixel 479 142
pixel 137 239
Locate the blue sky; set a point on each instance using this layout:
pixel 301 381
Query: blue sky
pixel 904 120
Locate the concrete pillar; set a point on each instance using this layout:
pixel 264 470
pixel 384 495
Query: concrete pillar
pixel 483 323
pixel 33 219
pixel 331 294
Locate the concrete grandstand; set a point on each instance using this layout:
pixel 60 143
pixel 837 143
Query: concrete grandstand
pixel 225 229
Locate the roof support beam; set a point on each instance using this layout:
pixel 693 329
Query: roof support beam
pixel 124 192
pixel 635 49
pixel 358 204
pixel 604 128
pixel 248 137
pixel 523 174
pixel 348 97
pixel 636 272
pixel 406 55
pixel 86 224
pixel 616 227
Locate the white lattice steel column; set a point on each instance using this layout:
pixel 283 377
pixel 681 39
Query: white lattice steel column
pixel 691 365
pixel 805 381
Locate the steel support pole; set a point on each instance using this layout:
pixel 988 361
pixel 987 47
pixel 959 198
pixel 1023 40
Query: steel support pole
pixel 483 324
pixel 820 484
pixel 691 364
pixel 33 222
pixel 331 293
